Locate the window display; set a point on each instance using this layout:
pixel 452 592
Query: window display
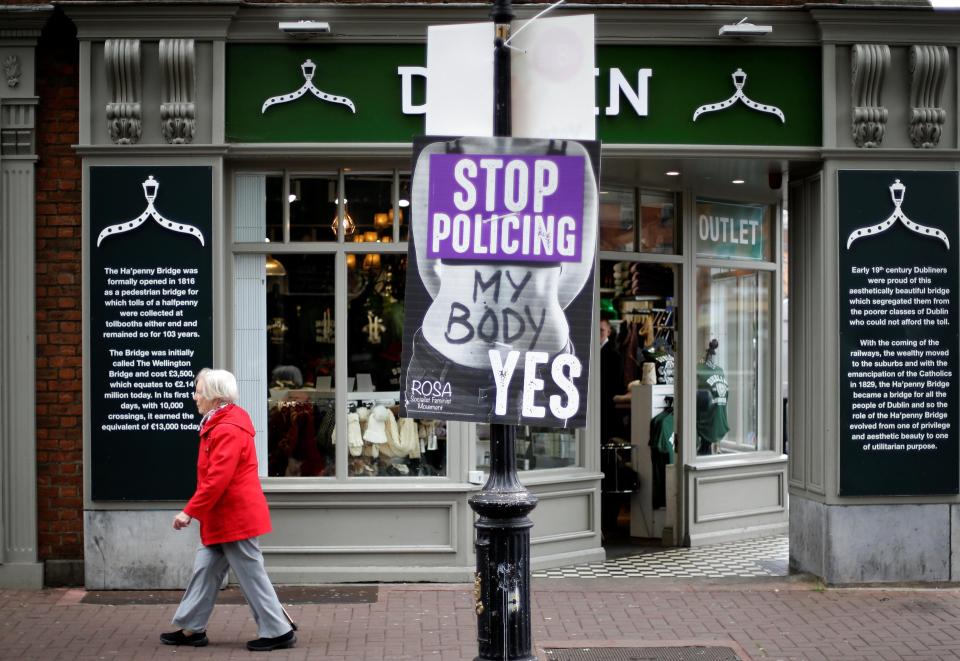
pixel 734 374
pixel 381 442
pixel 300 361
pixel 288 326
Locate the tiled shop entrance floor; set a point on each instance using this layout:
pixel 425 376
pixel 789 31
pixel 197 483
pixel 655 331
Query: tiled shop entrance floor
pixel 768 556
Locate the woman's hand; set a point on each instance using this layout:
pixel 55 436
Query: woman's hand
pixel 181 520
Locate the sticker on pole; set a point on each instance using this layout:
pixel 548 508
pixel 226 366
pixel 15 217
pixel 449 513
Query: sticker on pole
pixel 499 296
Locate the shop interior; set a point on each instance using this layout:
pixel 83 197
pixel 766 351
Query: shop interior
pixel 641 241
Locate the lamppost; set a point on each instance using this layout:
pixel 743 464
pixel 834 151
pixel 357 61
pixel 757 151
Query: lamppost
pixel 502 582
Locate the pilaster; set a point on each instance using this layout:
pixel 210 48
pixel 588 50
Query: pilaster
pixel 19 565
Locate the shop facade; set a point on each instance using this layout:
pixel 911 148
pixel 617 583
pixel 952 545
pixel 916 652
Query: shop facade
pixel 246 202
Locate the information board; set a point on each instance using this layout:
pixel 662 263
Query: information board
pixel 898 332
pixel 150 327
pixel 499 298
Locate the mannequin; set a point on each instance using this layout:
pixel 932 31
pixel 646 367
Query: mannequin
pixel 712 392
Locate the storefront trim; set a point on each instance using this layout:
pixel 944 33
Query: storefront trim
pixel 719 462
pixel 703 482
pixel 452 506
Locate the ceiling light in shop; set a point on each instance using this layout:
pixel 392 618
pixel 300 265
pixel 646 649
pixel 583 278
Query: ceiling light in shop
pixel 274 267
pixel 738 181
pixel 404 203
pixel 672 173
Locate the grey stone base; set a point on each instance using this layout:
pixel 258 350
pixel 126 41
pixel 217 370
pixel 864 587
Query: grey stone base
pixel 63 573
pixel 21 576
pixel 137 550
pixel 890 543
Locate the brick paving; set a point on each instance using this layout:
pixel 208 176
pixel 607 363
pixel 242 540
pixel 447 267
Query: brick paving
pixel 782 618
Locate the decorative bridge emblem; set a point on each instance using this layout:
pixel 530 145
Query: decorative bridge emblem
pixel 308 68
pixel 150 188
pixel 739 80
pixel 897 192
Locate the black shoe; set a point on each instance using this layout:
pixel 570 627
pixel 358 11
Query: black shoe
pixel 198 639
pixel 288 639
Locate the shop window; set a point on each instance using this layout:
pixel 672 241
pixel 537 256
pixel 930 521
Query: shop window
pixel 657 221
pixel 368 208
pixel 735 390
pixel 300 361
pixel 287 326
pixel 313 208
pixel 381 443
pixel 618 216
pixel 403 207
pixel 536 448
pixel 274 210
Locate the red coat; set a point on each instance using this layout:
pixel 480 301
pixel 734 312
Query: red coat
pixel 228 502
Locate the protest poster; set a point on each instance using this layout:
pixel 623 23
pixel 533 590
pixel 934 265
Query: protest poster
pixel 499 295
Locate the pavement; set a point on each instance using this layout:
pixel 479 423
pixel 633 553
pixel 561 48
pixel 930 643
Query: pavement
pixel 781 617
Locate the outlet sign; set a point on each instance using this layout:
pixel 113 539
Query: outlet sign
pixel 729 230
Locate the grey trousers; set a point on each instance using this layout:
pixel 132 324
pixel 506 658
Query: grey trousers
pixel 209 569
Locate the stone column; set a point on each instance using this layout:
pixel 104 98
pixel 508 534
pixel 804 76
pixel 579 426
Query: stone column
pixel 19 565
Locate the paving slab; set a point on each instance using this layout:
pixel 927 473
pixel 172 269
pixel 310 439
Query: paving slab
pixel 779 618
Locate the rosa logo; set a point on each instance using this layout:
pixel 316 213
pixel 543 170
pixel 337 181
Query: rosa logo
pixel 430 388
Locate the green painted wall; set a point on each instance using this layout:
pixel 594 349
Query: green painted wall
pixel 683 79
pixel 366 74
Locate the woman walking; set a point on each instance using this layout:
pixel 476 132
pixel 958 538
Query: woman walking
pixel 232 511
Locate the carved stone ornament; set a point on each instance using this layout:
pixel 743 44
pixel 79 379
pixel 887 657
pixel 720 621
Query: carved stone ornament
pixel 11 70
pixel 869 65
pixel 124 113
pixel 178 121
pixel 928 75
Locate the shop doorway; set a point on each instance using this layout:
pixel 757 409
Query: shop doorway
pixel 637 389
pixel 691 272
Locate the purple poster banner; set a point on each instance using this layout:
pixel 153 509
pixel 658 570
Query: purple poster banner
pixel 505 208
pixel 498 308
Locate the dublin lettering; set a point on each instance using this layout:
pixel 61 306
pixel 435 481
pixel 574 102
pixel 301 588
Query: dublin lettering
pixel 617 86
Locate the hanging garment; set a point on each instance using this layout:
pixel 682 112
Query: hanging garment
pixel 354 437
pixel 712 393
pixel 376 432
pixel 661 454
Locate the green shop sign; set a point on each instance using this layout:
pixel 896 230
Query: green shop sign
pixel 730 230
pixel 645 94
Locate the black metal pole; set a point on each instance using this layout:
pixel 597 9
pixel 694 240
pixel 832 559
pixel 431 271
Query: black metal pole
pixel 502 582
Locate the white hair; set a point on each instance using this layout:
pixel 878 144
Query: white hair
pixel 218 385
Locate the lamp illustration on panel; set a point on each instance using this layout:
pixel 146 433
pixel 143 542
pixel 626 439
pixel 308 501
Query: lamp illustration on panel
pixel 150 188
pixel 308 68
pixel 739 80
pixel 897 192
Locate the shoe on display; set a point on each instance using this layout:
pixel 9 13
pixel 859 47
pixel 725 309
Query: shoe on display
pixel 288 639
pixel 198 639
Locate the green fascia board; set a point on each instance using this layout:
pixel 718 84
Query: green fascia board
pixel 682 79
